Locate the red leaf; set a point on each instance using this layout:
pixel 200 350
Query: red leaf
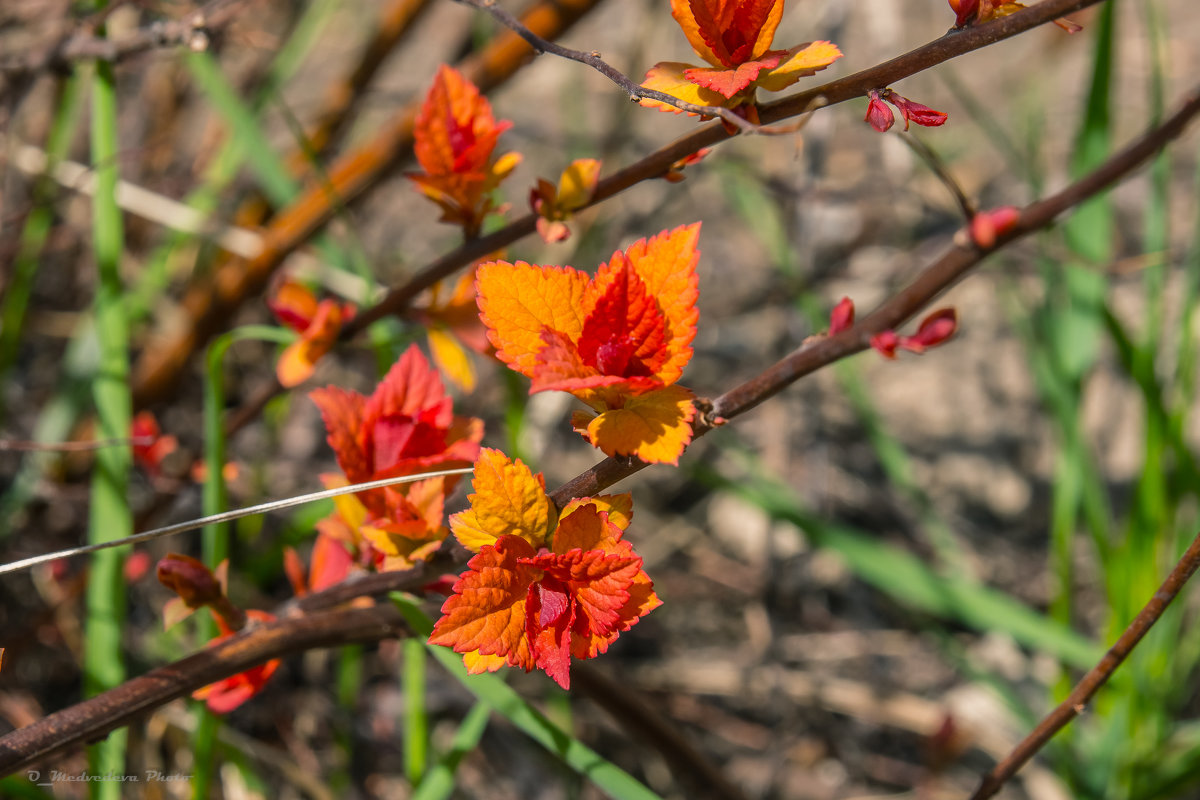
pixel 486 613
pixel 342 412
pixel 915 112
pixel 729 82
pixel 625 333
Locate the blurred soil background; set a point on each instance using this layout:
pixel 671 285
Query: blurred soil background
pixel 777 661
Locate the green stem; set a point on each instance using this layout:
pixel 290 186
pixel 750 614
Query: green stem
pixel 109 516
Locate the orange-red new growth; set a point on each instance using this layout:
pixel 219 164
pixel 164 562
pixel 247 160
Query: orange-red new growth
pixel 554 205
pixel 454 137
pixel 618 341
pixel 935 329
pixel 734 37
pixel 406 426
pixel 150 446
pixel 540 591
pixel 227 694
pixel 318 324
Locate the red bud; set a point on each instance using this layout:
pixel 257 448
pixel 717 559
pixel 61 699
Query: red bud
pixel 933 330
pixel 886 343
pixel 987 225
pixel 879 116
pixel 190 579
pixel 842 316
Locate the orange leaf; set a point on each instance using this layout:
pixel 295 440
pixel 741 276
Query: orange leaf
pixel 666 264
pixel 476 662
pixel 410 389
pixel 342 412
pixel 587 528
pixel 517 301
pixel 486 613
pixel 619 508
pixel 508 500
pixel 455 131
pixel 405 426
pixel 330 563
pixel 668 77
pixel 625 330
pixel 454 137
pixel 681 10
pixel 654 426
pixel 728 82
pixel 293 304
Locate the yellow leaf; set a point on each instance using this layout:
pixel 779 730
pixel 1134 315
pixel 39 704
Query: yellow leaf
pixel 802 61
pixel 508 500
pixel 451 358
pixel 516 301
pixel 577 184
pixel 654 426
pixel 476 662
pixel 667 77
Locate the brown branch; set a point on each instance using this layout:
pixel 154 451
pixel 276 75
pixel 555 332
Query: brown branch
pixel 191 31
pixel 312 627
pixel 658 163
pixel 95 717
pixel 1083 692
pixel 396 19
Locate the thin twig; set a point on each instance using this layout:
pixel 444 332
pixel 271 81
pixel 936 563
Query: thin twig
pixel 91 719
pixel 192 31
pixel 26 446
pixel 593 60
pixel 1083 692
pixel 935 164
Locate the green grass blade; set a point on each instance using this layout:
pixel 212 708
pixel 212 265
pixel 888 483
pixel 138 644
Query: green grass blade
pixel 490 689
pixel 897 466
pixel 416 721
pixel 277 182
pixel 109 516
pixel 1090 228
pixel 439 783
pixel 37 226
pixel 214 545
